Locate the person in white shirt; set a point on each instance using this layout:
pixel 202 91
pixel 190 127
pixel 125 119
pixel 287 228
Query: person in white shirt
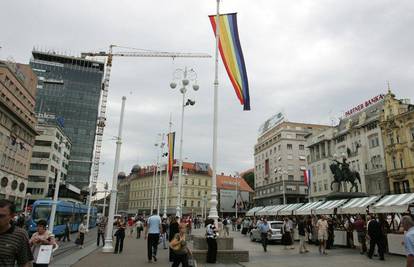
pixel 322 226
pixel 152 234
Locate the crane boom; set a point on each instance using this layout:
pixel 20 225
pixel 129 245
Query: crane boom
pixel 104 97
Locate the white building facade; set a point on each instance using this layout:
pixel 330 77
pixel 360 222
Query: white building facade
pixel 280 161
pixel 50 157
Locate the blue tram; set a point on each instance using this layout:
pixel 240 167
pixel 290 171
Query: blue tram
pixel 65 211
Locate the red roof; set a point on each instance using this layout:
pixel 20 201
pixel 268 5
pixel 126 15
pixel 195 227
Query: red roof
pixel 229 183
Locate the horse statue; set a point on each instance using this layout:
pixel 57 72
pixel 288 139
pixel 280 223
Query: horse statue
pixel 342 173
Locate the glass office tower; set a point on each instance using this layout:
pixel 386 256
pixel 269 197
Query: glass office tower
pixel 69 88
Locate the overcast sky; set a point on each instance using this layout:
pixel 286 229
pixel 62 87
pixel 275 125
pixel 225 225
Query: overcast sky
pixel 309 59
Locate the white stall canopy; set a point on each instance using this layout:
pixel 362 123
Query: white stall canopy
pixel 393 203
pixel 253 210
pixel 357 205
pixel 264 211
pixel 276 209
pixel 307 208
pixel 329 206
pixel 289 209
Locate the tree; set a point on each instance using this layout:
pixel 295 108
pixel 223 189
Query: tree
pixel 249 178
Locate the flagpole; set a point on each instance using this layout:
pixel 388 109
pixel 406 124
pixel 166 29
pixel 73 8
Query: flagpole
pixel 213 206
pixel 167 170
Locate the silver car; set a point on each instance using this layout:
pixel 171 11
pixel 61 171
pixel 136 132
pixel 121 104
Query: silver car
pixel 276 236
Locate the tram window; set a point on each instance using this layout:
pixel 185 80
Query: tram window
pixel 41 213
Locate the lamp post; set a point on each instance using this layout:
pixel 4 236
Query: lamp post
pixel 106 189
pixel 57 185
pixel 187 76
pixel 108 238
pixel 213 206
pixel 160 174
pixel 28 195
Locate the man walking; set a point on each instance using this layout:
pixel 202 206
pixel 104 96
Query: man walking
pixel 375 237
pixel 322 226
pixel 359 226
pixel 101 231
pixel 140 226
pixel 408 225
pixel 14 242
pixel 264 231
pixel 152 234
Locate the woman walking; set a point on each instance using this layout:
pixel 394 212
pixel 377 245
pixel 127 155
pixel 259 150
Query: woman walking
pixel 179 245
pixel 41 237
pixel 211 235
pixel 173 230
pixel 81 233
pixel 120 235
pixel 287 234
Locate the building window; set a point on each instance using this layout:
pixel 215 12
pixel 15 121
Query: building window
pixel 394 162
pixel 401 161
pixel 412 133
pixel 185 203
pixel 314 188
pixel 397 189
pixel 291 177
pixel 289 146
pixel 301 147
pixel 289 156
pixel 373 141
pixel 405 186
pixel 267 167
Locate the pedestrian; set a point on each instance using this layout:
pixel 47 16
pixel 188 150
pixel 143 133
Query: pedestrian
pixel 120 236
pixel 164 231
pixel 233 224
pixel 39 238
pixel 130 226
pixel 140 226
pixel 408 226
pixel 264 229
pixel 81 233
pixel 179 245
pixel 302 231
pixel 226 226
pixel 287 238
pixel 66 233
pixel 211 236
pixel 14 241
pixel 173 230
pixel 322 226
pixel 101 231
pixel 360 228
pixel 246 224
pixel 330 241
pixel 375 237
pixel 152 234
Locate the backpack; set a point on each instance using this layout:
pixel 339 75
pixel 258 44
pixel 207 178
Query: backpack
pixel 225 222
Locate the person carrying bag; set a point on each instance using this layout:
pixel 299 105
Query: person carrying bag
pixel 178 245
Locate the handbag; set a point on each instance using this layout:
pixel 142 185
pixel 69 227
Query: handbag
pixel 191 261
pixel 44 254
pixel 77 241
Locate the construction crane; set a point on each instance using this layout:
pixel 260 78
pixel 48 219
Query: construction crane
pixel 104 97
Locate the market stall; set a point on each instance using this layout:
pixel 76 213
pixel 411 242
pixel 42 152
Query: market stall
pixel 264 211
pixel 329 207
pixel 357 205
pixel 276 209
pixel 288 210
pixel 392 204
pixel 307 208
pixel 252 211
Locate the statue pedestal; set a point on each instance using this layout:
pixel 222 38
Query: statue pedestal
pixel 225 250
pixel 345 195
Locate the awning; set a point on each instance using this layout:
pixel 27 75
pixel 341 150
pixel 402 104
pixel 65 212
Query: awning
pixel 289 209
pixel 253 210
pixel 393 204
pixel 357 205
pixel 276 209
pixel 329 206
pixel 264 211
pixel 307 208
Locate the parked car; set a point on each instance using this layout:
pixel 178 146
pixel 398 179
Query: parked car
pixel 276 236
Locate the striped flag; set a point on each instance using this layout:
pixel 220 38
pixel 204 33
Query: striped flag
pixel 232 55
pixel 307 177
pixel 171 144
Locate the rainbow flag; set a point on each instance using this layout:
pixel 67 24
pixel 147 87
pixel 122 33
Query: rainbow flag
pixel 232 55
pixel 171 144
